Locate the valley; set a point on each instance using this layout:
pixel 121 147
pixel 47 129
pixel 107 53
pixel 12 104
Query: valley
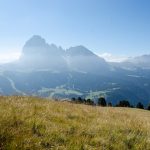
pixel 46 70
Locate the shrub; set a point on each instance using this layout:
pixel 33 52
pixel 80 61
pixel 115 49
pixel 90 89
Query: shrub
pixel 123 103
pixel 89 102
pixel 139 105
pixel 110 104
pixel 101 101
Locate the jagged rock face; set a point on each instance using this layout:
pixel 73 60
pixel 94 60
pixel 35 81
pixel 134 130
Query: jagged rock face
pixel 37 54
pixel 38 46
pixel 82 59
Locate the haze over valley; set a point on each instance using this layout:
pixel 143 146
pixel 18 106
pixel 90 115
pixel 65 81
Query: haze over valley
pixel 46 70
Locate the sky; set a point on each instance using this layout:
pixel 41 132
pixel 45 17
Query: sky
pixel 110 28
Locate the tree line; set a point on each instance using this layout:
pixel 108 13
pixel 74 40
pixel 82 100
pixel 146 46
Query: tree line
pixel 102 102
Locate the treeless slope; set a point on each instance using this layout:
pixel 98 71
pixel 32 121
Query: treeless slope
pixel 33 123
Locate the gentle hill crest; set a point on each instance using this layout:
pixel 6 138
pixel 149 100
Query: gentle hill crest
pixel 33 123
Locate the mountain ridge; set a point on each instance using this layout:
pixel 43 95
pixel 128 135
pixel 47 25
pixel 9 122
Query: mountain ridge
pixel 50 71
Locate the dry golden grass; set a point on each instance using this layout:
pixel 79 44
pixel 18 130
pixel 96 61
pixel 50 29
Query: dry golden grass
pixel 36 124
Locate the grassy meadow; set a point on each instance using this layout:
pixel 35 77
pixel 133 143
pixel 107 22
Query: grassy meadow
pixel 29 123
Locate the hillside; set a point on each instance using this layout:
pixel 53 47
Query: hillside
pixel 48 70
pixel 33 123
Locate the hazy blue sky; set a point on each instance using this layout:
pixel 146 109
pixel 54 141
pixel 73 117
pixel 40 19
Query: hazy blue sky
pixel 119 27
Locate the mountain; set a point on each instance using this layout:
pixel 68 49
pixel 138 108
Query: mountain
pixel 50 71
pixel 141 61
pixel 83 60
pixel 39 55
pixel 135 63
pixel 53 58
pixel 37 51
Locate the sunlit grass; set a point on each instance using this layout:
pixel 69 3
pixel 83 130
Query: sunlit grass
pixel 36 124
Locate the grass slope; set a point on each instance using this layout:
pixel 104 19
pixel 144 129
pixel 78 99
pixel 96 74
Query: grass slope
pixel 36 124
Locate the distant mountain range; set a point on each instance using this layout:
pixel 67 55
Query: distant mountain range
pixel 50 71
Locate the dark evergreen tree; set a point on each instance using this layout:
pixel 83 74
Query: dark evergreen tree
pixel 89 102
pixel 102 101
pixel 123 103
pixel 140 105
pixel 110 104
pixel 84 100
pixel 73 99
pixel 148 108
pixel 80 100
